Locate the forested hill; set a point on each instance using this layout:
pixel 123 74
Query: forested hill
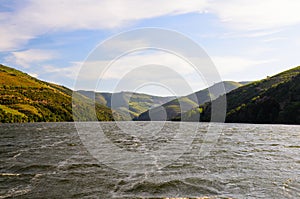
pixel 24 98
pixel 275 99
pixel 27 99
pixel 178 106
pixel 127 104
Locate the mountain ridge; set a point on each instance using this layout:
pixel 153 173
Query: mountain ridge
pixel 185 103
pixel 23 98
pixel 273 100
pixel 127 104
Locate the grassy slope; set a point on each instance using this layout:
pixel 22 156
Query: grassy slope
pixel 186 103
pixel 275 99
pixel 127 104
pixel 27 99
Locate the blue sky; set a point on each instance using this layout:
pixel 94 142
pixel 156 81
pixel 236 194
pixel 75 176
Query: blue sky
pixel 246 40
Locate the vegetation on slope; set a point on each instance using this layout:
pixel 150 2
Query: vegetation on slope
pixel 127 104
pixel 181 105
pixel 23 98
pixel 275 99
pixel 27 99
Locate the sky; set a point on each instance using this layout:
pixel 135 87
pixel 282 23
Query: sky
pixel 53 39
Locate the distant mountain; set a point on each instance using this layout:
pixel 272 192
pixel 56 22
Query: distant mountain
pixel 175 107
pixel 27 99
pixel 127 104
pixel 275 99
pixel 245 82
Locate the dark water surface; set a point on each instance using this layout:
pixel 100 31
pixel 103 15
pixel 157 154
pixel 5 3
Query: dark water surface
pixel 48 160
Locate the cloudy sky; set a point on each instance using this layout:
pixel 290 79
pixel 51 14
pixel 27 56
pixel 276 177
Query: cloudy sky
pixel 245 39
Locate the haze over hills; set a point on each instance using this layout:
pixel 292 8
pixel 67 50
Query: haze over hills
pixel 175 107
pixel 27 99
pixel 127 104
pixel 275 99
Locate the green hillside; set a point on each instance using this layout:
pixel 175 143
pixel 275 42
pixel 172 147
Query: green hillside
pixel 23 98
pixel 27 99
pixel 127 104
pixel 275 99
pixel 186 103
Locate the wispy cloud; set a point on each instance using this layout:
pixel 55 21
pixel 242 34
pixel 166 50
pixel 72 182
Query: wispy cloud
pixel 26 58
pixel 228 65
pixel 118 68
pixel 37 17
pixel 257 14
pixel 62 75
pixel 272 39
pixel 62 72
pixel 138 68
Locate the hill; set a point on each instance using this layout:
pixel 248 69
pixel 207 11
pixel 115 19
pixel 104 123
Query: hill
pixel 275 99
pixel 127 104
pixel 27 99
pixel 176 107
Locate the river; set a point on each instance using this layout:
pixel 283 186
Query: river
pixel 51 160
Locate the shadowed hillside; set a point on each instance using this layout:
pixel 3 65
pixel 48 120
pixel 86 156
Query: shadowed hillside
pixel 275 99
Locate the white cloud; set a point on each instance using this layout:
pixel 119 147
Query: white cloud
pixel 129 69
pixel 37 17
pixel 257 14
pixel 232 65
pixel 62 72
pixel 137 68
pixel 26 58
pixel 123 65
pixel 272 39
pixel 250 34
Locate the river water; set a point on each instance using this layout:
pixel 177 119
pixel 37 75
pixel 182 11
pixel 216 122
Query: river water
pixel 51 160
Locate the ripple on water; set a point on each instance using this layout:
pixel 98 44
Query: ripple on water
pixel 48 161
